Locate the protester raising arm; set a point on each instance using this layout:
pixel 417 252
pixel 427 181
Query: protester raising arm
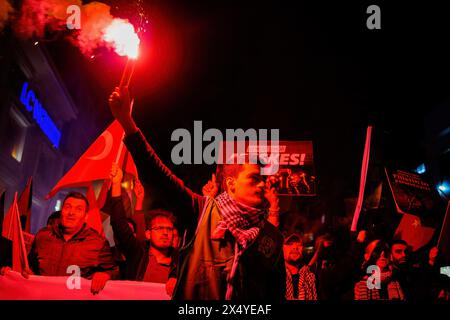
pixel 152 171
pixel 140 195
pixel 211 188
pixel 274 206
pixel 127 241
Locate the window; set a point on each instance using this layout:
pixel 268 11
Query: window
pixel 16 132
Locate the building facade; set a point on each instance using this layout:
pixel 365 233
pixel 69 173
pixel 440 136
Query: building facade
pixel 42 129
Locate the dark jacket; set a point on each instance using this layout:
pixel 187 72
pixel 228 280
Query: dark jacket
pixel 205 263
pixel 51 254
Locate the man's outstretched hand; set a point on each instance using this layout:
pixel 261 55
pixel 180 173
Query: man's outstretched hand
pixel 25 273
pixel 120 106
pixel 211 188
pixel 99 281
pixel 116 176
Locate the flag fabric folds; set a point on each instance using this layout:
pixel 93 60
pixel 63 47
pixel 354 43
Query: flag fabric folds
pixel 95 163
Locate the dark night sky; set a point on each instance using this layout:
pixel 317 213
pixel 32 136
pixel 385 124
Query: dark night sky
pixel 311 69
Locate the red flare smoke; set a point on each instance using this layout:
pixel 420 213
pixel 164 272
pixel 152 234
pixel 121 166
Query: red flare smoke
pixel 5 11
pixel 98 26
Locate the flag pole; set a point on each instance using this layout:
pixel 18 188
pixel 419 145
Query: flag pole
pixel 362 183
pixel 119 152
pixel 127 73
pixel 22 241
pixel 444 223
pixel 28 223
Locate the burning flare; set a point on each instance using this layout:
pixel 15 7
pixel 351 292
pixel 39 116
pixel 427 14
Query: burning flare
pixel 121 35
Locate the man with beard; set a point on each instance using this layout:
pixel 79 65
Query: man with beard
pixel 399 253
pixel 300 281
pixel 231 251
pixel 402 271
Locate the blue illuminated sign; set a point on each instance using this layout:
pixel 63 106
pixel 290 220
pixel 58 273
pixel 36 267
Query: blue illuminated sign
pixel 32 104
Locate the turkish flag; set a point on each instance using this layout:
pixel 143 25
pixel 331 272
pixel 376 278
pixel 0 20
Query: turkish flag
pixel 410 229
pixel 95 163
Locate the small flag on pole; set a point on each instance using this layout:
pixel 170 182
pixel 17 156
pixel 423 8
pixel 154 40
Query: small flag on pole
pixel 24 204
pixel 20 260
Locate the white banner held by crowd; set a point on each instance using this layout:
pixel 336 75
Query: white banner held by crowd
pixel 13 286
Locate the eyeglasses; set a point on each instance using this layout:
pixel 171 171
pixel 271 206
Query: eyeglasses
pixel 159 229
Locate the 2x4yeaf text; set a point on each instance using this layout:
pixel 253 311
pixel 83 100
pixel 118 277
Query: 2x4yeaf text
pixel 226 309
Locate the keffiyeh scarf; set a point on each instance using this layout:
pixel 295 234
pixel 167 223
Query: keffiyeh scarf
pixel 306 285
pixel 241 220
pixel 395 292
pixel 244 224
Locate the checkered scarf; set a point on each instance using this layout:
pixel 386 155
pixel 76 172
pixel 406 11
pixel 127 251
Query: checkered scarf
pixel 243 222
pixel 306 285
pixel 395 292
pixel 240 219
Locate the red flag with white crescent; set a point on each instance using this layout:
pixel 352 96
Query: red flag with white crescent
pixel 95 163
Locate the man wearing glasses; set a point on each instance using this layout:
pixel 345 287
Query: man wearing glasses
pixel 150 260
pixel 160 235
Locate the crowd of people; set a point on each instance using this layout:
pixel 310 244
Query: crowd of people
pixel 230 246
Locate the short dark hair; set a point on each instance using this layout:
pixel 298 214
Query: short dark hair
pixel 153 214
pixel 133 223
pixel 227 170
pixel 53 217
pixel 77 195
pixel 379 246
pixel 224 171
pixel 399 241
